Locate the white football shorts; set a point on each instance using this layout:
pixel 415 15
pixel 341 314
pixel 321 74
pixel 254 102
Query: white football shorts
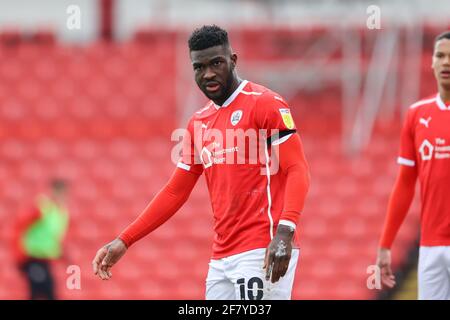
pixel 242 277
pixel 434 273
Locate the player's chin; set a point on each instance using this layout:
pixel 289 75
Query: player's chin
pixel 444 81
pixel 216 95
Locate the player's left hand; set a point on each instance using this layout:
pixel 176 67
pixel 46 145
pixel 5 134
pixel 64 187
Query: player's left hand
pixel 278 254
pixel 106 257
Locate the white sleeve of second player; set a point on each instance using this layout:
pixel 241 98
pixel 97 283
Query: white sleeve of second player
pixel 406 162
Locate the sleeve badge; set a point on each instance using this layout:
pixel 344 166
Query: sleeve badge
pixel 287 118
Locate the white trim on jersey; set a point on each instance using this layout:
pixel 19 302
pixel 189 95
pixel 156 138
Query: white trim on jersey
pixel 183 166
pixel 251 93
pixel 406 162
pixel 278 98
pixel 441 103
pixel 205 108
pixel 421 103
pixel 269 196
pixel 287 223
pixel 281 140
pixel 233 95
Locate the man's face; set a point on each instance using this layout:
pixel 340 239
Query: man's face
pixel 213 70
pixel 441 62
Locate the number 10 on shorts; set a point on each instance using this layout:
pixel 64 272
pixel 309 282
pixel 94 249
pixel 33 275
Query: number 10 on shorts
pixel 254 288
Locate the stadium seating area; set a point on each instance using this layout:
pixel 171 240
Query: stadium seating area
pixel 102 116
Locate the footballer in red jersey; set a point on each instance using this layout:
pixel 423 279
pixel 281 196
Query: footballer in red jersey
pixel 425 155
pixel 244 141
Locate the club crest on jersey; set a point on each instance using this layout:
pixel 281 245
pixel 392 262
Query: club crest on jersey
pixel 236 117
pixel 287 118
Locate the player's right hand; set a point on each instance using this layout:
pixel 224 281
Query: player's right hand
pixel 384 263
pixel 106 257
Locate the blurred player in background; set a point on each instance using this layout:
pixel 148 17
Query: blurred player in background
pixel 425 153
pixel 38 239
pixel 255 214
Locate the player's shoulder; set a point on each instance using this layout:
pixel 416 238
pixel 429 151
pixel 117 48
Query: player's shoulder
pixel 421 108
pixel 204 111
pixel 423 103
pixel 263 95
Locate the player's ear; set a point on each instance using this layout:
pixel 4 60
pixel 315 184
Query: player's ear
pixel 233 60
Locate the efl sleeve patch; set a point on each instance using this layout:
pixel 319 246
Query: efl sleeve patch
pixel 287 118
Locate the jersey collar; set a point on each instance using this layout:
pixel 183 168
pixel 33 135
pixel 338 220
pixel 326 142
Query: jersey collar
pixel 441 103
pixel 233 95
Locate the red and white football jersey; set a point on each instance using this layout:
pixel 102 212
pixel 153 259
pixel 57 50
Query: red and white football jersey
pixel 232 144
pixel 425 143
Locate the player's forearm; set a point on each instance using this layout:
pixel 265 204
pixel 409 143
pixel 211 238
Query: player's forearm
pixel 297 186
pixel 163 206
pixel 398 206
pixel 293 163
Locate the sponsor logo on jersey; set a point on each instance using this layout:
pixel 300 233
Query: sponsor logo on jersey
pixel 425 122
pixel 439 151
pixel 426 150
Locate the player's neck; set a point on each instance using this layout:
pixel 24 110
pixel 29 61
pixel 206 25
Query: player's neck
pixel 234 85
pixel 444 93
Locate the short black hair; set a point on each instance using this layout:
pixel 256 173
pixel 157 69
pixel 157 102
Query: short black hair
pixel 206 37
pixel 443 35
